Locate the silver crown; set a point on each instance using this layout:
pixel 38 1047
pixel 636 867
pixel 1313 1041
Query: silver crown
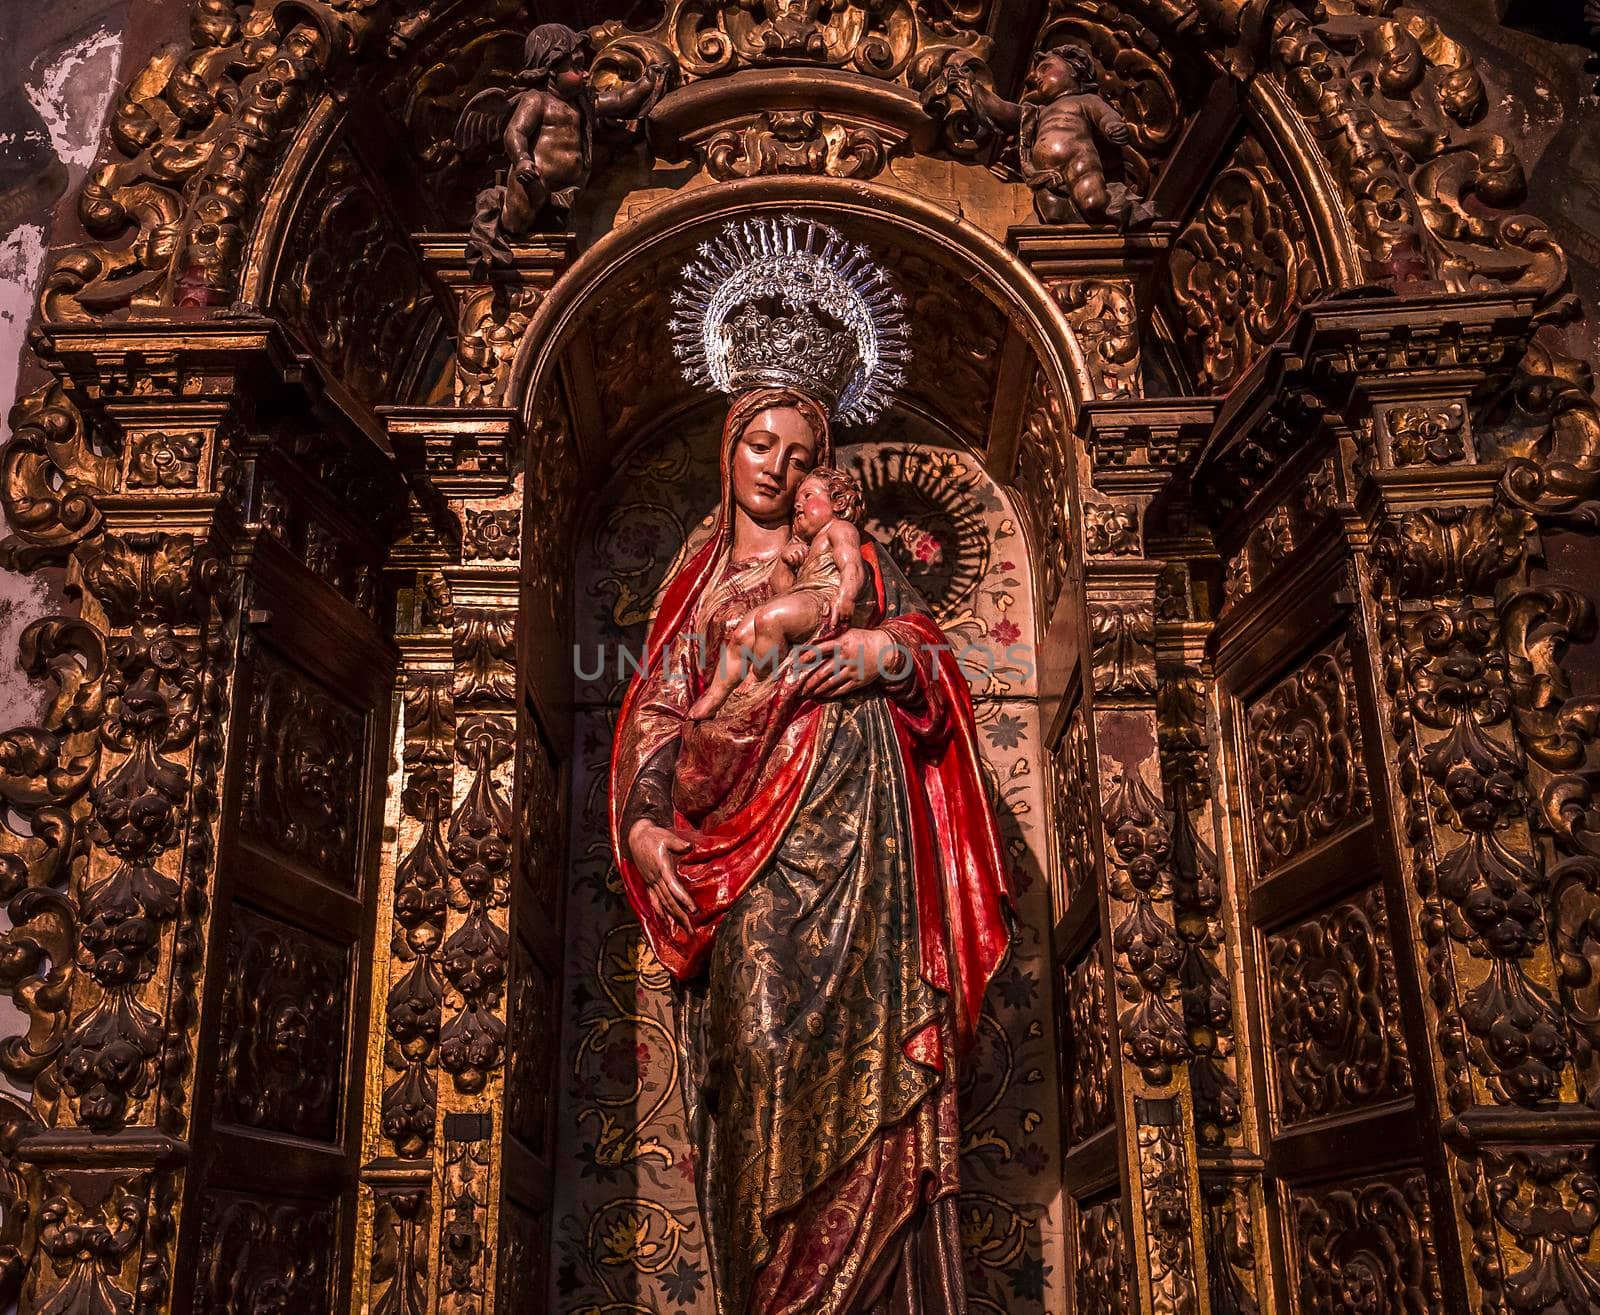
pixel 787 302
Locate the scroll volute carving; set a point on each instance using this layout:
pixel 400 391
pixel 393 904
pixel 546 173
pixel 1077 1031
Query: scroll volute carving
pixel 49 472
pixel 790 121
pixel 1422 145
pixel 797 142
pixel 1240 269
pixel 879 38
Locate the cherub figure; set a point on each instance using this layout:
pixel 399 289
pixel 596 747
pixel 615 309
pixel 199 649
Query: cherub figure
pixel 1059 125
pixel 817 586
pixel 547 132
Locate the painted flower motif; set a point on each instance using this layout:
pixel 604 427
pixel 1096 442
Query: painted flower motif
pixel 682 1283
pixel 1004 631
pixel 919 544
pixel 622 1062
pixel 1016 987
pixel 626 1240
pixel 1006 731
pixel 1027 1279
pixel 1033 1158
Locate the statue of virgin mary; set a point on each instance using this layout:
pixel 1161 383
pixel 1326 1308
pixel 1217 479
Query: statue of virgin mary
pixel 832 927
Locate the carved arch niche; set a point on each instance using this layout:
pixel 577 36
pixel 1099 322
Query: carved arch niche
pixel 1299 468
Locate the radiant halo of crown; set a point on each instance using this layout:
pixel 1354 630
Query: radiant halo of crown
pixel 787 302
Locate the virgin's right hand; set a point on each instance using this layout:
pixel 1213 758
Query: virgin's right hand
pixel 656 851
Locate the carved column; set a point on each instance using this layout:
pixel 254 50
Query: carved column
pixel 149 810
pixel 1386 621
pixel 457 1167
pixel 1120 957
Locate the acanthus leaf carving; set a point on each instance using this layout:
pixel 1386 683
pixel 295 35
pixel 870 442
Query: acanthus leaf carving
pixel 1123 648
pixel 1468 805
pixel 1149 952
pixel 475 957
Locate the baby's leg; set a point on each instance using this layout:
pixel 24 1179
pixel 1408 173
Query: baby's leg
pixel 757 644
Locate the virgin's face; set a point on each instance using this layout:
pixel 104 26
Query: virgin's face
pixel 769 460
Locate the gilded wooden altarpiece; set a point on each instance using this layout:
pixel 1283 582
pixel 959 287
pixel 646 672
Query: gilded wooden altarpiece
pixel 325 994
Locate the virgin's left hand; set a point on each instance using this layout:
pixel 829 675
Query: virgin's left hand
pixel 849 662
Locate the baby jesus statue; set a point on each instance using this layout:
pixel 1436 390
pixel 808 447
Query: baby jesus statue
pixel 816 586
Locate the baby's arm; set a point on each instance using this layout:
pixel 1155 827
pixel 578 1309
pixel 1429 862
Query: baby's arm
pixel 845 539
pixel 1113 127
pixel 522 131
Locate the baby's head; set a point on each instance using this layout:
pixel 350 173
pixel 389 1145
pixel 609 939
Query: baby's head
pixel 826 494
pixel 1060 71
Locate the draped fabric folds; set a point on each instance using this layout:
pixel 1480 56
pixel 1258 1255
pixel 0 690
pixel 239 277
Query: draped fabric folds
pixel 851 906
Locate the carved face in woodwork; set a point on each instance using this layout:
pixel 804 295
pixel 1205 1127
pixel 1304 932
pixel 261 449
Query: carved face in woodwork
pixel 773 454
pixel 288 1034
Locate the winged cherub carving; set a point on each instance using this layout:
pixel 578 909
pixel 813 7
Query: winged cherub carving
pixel 544 123
pixel 1060 127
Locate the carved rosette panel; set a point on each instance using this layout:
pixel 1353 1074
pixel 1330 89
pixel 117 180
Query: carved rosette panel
pixel 1111 529
pixel 1086 1067
pixel 1074 814
pixel 306 755
pixel 259 1254
pixel 1367 1246
pixel 1101 1278
pixel 494 535
pixel 282 1031
pixel 1308 781
pixel 162 461
pixel 1239 270
pixel 352 285
pixel 1333 1012
pixel 1043 484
